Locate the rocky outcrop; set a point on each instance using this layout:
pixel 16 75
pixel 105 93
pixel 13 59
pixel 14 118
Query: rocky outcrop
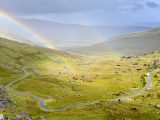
pixel 4 98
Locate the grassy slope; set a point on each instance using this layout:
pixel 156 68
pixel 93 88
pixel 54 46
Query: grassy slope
pixel 70 79
pixel 138 43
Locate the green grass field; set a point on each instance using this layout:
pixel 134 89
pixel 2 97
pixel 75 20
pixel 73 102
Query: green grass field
pixel 67 79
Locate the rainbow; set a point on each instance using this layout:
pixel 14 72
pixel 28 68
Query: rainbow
pixel 26 27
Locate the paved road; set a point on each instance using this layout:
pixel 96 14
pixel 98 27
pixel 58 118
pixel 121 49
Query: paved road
pixel 147 86
pixel 42 101
pixel 26 74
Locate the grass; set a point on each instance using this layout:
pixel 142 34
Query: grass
pixel 69 79
pixel 7 76
pixel 65 90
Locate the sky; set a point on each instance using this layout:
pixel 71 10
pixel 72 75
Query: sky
pixel 85 12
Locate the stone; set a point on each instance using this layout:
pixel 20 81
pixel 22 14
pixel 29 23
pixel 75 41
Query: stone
pixel 136 63
pixel 42 118
pixel 18 117
pixel 26 116
pixel 157 106
pixel 134 109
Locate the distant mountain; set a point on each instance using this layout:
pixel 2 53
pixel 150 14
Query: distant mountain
pixel 18 32
pixel 14 37
pixel 69 35
pixel 137 43
pixel 150 24
pixel 18 54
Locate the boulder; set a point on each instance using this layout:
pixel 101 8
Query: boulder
pixel 157 106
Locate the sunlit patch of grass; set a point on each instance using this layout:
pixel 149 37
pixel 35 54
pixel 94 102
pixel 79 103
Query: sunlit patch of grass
pixel 93 82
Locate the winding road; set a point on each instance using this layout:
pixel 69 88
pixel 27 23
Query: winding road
pixel 42 101
pixel 147 86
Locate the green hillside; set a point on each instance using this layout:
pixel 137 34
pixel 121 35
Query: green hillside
pixel 138 43
pixel 76 87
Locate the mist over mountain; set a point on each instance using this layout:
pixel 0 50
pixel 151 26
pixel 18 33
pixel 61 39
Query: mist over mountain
pixel 137 43
pixel 149 24
pixel 14 30
pixel 73 35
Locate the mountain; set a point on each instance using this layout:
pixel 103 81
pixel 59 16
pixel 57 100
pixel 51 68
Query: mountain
pixel 69 35
pixel 18 54
pixel 12 36
pixel 137 43
pixel 149 24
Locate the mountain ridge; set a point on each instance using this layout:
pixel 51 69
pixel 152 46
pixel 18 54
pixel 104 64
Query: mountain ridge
pixel 136 43
pixel 66 35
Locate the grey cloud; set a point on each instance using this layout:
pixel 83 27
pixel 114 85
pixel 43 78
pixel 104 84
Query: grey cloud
pixel 152 4
pixel 138 7
pixel 132 8
pixel 28 7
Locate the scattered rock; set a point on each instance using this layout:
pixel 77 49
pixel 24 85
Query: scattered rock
pixel 136 63
pixel 139 69
pixel 148 95
pixel 155 64
pixel 2 117
pixel 155 76
pixel 79 95
pixel 119 100
pixel 158 95
pixel 145 65
pixel 127 57
pixel 18 117
pixel 4 98
pixel 27 117
pixel 42 118
pixel 134 109
pixel 75 78
pixel 117 94
pixel 157 106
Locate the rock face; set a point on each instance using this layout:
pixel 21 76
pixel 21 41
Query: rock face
pixel 4 98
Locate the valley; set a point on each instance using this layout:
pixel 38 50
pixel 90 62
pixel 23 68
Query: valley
pixel 79 60
pixel 60 85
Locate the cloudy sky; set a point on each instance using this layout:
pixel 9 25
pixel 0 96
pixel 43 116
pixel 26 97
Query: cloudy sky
pixel 96 12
